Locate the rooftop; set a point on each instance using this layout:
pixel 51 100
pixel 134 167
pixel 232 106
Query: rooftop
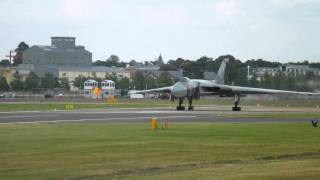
pixel 86 68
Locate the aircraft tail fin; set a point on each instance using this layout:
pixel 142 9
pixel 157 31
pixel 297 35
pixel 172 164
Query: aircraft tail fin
pixel 220 76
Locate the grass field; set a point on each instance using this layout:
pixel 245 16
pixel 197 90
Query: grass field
pixel 149 103
pixel 43 106
pixel 183 151
pixel 276 115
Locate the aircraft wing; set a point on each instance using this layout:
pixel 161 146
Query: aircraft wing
pixel 157 90
pixel 226 89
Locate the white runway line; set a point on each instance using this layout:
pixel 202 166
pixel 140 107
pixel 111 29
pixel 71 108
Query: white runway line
pixel 7 117
pixel 102 119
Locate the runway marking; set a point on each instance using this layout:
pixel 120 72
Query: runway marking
pixel 101 119
pixel 7 117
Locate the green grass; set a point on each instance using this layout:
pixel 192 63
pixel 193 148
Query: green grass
pixel 276 115
pixel 148 103
pixel 38 106
pixel 184 151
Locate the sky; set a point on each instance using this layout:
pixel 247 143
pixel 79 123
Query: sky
pixel 274 30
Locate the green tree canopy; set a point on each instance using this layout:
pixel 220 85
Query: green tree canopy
pixel 32 81
pixel 5 62
pixel 64 83
pixel 165 79
pixel 17 84
pixel 79 81
pixel 49 81
pixel 139 81
pixel 4 86
pixel 18 58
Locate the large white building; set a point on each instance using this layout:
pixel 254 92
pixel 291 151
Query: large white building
pixel 287 69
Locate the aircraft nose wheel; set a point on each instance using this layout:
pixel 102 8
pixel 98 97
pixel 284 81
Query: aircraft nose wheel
pixel 190 108
pixel 236 108
pixel 236 102
pixel 180 108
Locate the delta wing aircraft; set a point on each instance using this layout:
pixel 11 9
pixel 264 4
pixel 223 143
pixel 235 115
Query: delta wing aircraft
pixel 194 88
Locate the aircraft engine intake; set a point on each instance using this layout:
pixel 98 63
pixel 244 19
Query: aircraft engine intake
pixel 179 90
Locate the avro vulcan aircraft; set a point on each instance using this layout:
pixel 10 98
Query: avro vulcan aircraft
pixel 194 88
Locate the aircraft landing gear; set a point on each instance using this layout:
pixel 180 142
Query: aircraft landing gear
pixel 190 108
pixel 180 108
pixel 236 102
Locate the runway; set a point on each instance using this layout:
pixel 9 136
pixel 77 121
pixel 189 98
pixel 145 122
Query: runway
pixel 202 114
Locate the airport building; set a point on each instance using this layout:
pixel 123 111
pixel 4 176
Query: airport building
pixel 287 69
pixel 63 59
pixel 62 51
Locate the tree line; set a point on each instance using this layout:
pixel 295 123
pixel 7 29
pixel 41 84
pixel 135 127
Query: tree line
pixel 33 82
pixel 236 74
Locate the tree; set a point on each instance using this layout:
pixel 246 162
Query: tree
pixel 133 62
pixel 168 67
pixel 112 77
pixel 4 86
pixel 79 81
pixel 261 63
pixel 5 62
pixel 17 84
pixel 18 58
pixel 123 83
pixel 114 58
pixel 139 80
pixel 192 70
pixel 253 82
pixel 22 46
pixel 150 82
pixel 49 81
pixel 32 81
pixel 165 79
pixel 64 83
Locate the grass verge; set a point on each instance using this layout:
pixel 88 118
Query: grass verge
pixel 149 103
pixel 184 151
pixel 275 115
pixel 43 106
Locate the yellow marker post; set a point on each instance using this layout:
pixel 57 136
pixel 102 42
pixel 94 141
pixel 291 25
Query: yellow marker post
pixel 154 123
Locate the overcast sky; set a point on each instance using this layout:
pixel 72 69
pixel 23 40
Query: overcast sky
pixel 275 30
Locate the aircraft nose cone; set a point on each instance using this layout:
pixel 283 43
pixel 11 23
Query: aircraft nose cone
pixel 179 90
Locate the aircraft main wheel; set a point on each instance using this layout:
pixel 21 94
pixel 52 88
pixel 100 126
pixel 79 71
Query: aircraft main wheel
pixel 190 108
pixel 180 108
pixel 236 108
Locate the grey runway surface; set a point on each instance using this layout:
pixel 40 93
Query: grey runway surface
pixel 144 115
